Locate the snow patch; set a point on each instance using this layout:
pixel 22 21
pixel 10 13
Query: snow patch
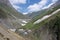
pixel 45 17
pixel 24 21
pixel 13 30
pixel 23 24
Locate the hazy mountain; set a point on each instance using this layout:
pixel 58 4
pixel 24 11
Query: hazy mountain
pixel 33 14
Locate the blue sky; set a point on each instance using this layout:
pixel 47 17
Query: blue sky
pixel 28 6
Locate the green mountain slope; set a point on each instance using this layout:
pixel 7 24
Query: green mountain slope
pixel 47 29
pixel 47 12
pixel 10 17
pixel 7 7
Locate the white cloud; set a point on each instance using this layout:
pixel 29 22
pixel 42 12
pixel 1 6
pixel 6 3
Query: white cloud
pixel 47 6
pixel 37 6
pixel 32 8
pixel 25 13
pixel 14 2
pixel 18 1
pixel 53 1
pixel 16 7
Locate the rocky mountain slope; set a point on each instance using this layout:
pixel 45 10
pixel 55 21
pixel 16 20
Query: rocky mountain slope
pixel 9 35
pixel 10 11
pixel 45 26
pixel 9 17
pixel 48 28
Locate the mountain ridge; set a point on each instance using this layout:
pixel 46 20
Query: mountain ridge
pixel 33 14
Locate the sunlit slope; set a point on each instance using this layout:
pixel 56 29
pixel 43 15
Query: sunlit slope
pixel 49 11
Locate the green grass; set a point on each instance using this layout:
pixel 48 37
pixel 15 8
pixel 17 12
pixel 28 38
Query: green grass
pixel 50 22
pixel 30 25
pixel 37 26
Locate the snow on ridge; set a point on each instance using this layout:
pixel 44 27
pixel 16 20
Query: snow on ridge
pixel 23 24
pixel 45 17
pixel 24 21
pixel 13 30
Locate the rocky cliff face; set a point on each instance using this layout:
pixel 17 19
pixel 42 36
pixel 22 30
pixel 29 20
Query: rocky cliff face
pixel 8 14
pixel 7 8
pixel 6 2
pixel 50 30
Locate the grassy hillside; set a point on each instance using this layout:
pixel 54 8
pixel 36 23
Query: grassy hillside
pixel 30 25
pixel 48 29
pixel 50 26
pixel 45 30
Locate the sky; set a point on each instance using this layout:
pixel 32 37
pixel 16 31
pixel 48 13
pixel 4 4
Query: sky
pixel 29 6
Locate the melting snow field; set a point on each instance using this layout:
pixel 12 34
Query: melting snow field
pixel 45 17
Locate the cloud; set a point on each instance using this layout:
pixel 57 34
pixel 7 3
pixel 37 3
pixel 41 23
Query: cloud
pixel 40 5
pixel 25 13
pixel 53 2
pixel 37 6
pixel 31 8
pixel 16 7
pixel 14 2
pixel 18 1
pixel 47 6
pixel 34 7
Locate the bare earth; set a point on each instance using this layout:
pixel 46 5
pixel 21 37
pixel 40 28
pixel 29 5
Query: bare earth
pixel 9 35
